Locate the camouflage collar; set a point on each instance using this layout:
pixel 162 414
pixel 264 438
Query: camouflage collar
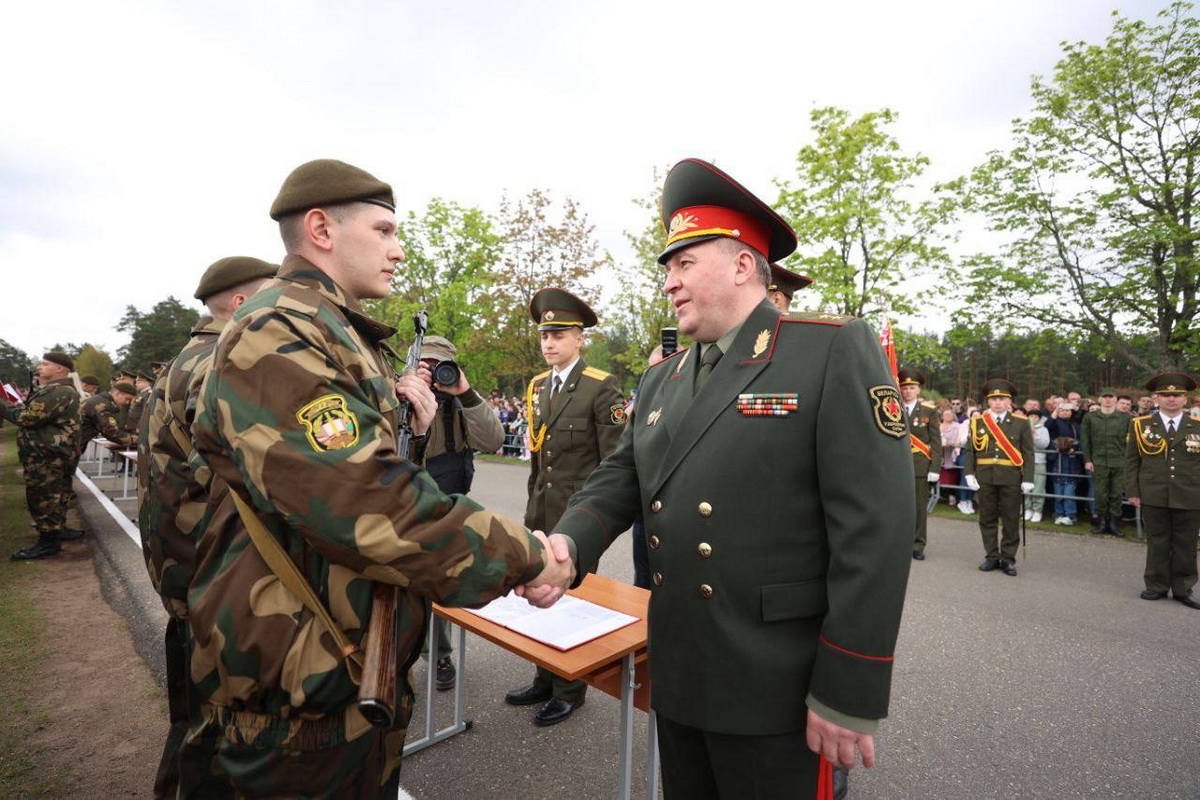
pixel 207 324
pixel 298 269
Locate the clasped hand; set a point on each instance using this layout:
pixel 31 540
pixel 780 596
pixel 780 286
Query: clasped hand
pixel 558 575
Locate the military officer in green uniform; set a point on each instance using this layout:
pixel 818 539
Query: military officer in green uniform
pixel 998 463
pixel 576 415
pixel 133 420
pixel 1162 477
pixel 925 439
pixel 784 285
pixel 1102 439
pixel 771 464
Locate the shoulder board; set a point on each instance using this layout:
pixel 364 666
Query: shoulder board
pixel 539 376
pixel 665 359
pixel 1019 415
pixel 816 318
pixel 928 404
pixel 1144 416
pixel 595 374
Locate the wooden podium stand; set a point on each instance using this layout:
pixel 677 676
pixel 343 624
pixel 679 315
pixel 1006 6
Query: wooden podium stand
pixel 614 664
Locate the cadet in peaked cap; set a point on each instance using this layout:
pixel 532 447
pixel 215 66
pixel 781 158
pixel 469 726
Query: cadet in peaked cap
pixel 1162 473
pixel 784 284
pixel 925 440
pixel 557 310
pixel 227 273
pixel 999 387
pixel 328 182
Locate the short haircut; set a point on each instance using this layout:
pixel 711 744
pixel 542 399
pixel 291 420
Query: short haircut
pixel 761 266
pixel 291 227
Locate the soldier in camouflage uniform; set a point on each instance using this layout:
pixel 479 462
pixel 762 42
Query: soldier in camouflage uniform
pixel 172 510
pixel 99 415
pixel 48 445
pixel 298 417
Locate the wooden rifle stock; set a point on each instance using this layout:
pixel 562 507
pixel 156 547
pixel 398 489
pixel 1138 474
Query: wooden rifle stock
pixel 377 692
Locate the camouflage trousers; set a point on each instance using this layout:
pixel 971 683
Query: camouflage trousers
pixel 336 756
pixel 48 491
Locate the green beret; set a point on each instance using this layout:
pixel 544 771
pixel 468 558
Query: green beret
pixel 125 386
pixel 327 182
pixel 90 380
pixel 439 348
pixel 59 357
pixel 230 272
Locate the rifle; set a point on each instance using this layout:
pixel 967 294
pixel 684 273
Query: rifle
pixel 377 691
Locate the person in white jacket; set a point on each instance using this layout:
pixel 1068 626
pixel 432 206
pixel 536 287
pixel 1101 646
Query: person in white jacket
pixel 1034 501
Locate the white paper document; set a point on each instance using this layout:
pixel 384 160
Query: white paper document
pixel 568 623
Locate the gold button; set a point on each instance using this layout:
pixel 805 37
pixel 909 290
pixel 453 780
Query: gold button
pixel 705 509
pixel 548 437
pixel 654 542
pixel 658 579
pixel 705 549
pixel 706 591
pixel 548 454
pixel 656 506
pixel 549 469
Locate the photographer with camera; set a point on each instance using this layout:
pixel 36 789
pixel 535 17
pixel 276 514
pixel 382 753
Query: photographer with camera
pixel 464 424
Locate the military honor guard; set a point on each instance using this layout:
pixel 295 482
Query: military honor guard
pixel 784 285
pixel 998 464
pixel 1162 477
pixel 925 439
pixel 576 415
pixel 771 463
pixel 1102 439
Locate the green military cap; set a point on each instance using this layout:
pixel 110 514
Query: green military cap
pixel 1171 383
pixel 90 380
pixel 159 363
pixel 556 309
pixel 59 357
pixel 998 387
pixel 142 375
pixel 439 348
pixel 786 281
pixel 125 386
pixel 1107 391
pixel 327 182
pixel 908 375
pixel 123 372
pixel 233 271
pixel 700 202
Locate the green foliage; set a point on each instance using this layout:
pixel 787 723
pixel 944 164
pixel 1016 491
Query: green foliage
pixel 1096 198
pixel 15 364
pixel 155 336
pixel 91 360
pixel 862 236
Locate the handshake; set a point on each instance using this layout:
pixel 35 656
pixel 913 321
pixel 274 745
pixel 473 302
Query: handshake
pixel 557 576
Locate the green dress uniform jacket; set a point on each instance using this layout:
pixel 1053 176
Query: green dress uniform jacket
pixel 1102 438
pixel 1161 471
pixel 986 460
pixel 779 516
pixel 923 426
pixel 581 430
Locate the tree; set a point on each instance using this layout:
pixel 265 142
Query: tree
pixel 1096 198
pixel 862 238
pixel 156 336
pixel 545 244
pixel 452 254
pixel 91 360
pixel 15 364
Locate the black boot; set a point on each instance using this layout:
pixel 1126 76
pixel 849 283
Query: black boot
pixel 47 546
pixel 1099 525
pixel 70 534
pixel 1114 527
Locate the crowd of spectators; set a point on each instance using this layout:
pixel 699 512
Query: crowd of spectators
pixel 511 413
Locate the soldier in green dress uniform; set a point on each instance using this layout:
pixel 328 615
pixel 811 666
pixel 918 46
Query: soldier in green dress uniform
pixel 576 415
pixel 1162 476
pixel 1102 439
pixel 925 439
pixel 784 285
pixel 998 463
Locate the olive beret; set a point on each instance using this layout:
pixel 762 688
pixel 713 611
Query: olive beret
pixel 438 348
pixel 90 380
pixel 126 387
pixel 59 357
pixel 326 182
pixel 230 272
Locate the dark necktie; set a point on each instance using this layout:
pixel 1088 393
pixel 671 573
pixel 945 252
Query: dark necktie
pixel 554 392
pixel 711 356
pixel 1171 428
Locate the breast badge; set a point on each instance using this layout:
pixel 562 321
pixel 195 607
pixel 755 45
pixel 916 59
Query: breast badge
pixel 328 424
pixel 889 414
pixel 653 417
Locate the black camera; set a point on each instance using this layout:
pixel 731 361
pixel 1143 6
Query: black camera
pixel 670 341
pixel 446 373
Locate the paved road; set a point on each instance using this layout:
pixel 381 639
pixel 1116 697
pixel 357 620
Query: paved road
pixel 1058 683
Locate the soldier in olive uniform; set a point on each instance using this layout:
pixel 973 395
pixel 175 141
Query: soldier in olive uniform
pixel 576 415
pixel 771 464
pixel 48 446
pixel 784 285
pixel 998 464
pixel 99 415
pixel 1102 439
pixel 297 419
pixel 133 420
pixel 925 439
pixel 1162 477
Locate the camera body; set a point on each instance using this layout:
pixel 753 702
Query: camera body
pixel 670 341
pixel 446 373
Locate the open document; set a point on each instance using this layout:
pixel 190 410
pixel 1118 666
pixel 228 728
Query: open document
pixel 568 623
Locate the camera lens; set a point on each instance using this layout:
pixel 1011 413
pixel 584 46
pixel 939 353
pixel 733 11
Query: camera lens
pixel 446 373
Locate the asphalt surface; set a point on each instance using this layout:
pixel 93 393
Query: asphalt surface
pixel 1057 683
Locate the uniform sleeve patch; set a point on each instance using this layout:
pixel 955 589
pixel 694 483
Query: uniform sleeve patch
pixel 618 413
pixel 328 424
pixel 888 413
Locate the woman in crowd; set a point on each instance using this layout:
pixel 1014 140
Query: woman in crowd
pixel 1041 443
pixel 1064 466
pixel 966 497
pixel 951 445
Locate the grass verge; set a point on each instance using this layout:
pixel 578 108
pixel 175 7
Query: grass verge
pixel 1083 528
pixel 22 772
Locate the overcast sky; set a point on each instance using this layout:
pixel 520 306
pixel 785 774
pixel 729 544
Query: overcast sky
pixel 139 142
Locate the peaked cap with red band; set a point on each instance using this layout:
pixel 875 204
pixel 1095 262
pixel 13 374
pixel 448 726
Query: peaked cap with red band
pixel 700 202
pixel 786 281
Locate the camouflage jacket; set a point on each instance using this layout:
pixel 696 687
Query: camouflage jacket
pixel 298 416
pixel 49 423
pixel 173 511
pixel 99 417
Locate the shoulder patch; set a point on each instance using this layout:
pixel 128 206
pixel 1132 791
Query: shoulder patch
pixel 888 412
pixel 816 318
pixel 329 424
pixel 595 374
pixel 617 413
